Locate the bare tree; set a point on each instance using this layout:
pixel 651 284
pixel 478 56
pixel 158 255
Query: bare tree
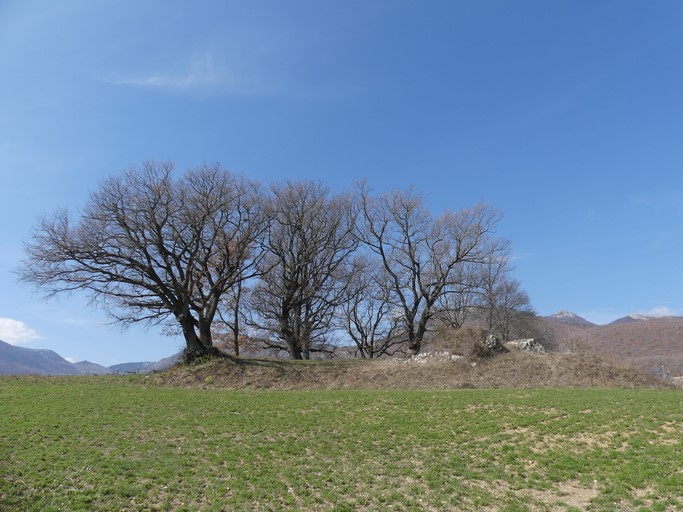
pixel 150 248
pixel 577 343
pixel 303 272
pixel 228 326
pixel 423 254
pixel 366 314
pixel 505 308
pixel 511 312
pixel 458 300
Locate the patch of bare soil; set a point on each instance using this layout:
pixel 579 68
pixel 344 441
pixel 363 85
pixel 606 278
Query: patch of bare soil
pixel 516 369
pixel 567 494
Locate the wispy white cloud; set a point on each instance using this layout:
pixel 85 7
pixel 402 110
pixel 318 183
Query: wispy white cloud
pixel 520 256
pixel 660 311
pixel 202 73
pixel 16 332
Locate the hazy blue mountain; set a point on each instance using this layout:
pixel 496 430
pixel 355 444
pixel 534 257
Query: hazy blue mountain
pixel 23 361
pixel 167 362
pixel 89 368
pixel 146 366
pixel 139 367
pixel 30 361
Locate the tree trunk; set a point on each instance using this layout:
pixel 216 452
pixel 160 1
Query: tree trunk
pixel 293 346
pixel 236 320
pixel 305 348
pixel 205 337
pixel 414 346
pixel 415 337
pixel 414 341
pixel 194 347
pixel 290 336
pixel 294 350
pixel 236 343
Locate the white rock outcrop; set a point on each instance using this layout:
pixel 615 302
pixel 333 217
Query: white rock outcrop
pixel 428 357
pixel 528 344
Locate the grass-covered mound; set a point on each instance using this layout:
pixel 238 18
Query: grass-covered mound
pixel 516 369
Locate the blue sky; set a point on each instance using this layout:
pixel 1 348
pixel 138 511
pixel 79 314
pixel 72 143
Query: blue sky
pixel 566 115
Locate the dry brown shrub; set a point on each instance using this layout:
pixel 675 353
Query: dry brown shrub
pixel 466 341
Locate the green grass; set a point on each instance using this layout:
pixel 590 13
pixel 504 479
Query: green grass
pixel 111 444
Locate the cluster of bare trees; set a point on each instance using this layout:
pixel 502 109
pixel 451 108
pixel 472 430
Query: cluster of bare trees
pixel 211 254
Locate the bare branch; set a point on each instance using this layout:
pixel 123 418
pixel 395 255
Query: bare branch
pixel 426 258
pixel 303 272
pixel 149 247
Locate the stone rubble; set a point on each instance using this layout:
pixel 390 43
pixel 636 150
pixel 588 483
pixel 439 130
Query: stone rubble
pixel 493 344
pixel 425 357
pixel 528 344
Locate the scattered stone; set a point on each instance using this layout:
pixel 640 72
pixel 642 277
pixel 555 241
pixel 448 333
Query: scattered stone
pixel 493 344
pixel 426 357
pixel 528 344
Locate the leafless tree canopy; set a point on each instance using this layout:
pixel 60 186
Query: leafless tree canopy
pixel 367 312
pixel 292 265
pixel 425 256
pixel 309 241
pixel 149 247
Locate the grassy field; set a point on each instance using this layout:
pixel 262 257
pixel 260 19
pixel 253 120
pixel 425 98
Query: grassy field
pixel 113 444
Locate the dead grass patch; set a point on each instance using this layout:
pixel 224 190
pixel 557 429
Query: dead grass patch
pixel 564 495
pixel 512 370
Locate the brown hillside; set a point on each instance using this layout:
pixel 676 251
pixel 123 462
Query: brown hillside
pixel 646 344
pixel 557 334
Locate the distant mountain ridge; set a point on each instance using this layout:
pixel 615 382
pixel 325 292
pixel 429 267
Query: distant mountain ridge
pixel 138 367
pixel 22 361
pixel 30 361
pixel 146 366
pixel 569 318
pixel 637 317
pixel 650 343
